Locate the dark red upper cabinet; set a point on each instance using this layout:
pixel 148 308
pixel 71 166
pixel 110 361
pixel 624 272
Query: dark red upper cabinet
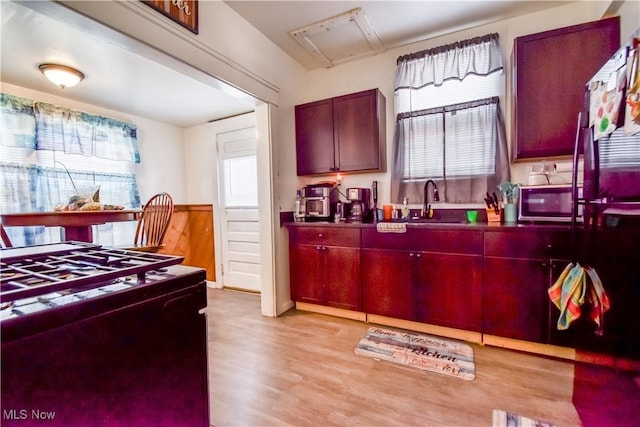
pixel 342 134
pixel 550 71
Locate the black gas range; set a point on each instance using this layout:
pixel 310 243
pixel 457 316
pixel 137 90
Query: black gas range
pixel 93 335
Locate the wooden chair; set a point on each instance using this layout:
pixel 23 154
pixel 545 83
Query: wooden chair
pixel 153 223
pixel 6 242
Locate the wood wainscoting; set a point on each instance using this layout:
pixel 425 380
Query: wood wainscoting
pixel 190 234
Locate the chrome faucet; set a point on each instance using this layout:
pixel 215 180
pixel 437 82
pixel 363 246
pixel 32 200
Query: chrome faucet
pixel 426 208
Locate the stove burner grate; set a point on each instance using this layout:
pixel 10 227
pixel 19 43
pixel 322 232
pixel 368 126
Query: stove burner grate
pixel 44 269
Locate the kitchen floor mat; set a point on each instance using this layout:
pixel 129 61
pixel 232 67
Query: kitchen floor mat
pixel 508 419
pixel 421 351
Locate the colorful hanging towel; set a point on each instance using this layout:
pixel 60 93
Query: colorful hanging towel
pixel 571 290
pixel 598 299
pixel 568 293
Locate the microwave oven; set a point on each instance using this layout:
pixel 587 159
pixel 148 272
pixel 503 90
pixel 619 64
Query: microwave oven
pixel 547 203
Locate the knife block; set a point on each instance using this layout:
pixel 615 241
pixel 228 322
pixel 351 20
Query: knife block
pixel 492 216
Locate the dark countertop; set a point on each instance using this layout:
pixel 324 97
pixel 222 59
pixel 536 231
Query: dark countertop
pixel 437 224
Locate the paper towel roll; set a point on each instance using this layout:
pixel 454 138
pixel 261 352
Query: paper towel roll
pixel 563 167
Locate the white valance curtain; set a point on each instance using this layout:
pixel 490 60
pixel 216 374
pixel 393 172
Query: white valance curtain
pixel 480 56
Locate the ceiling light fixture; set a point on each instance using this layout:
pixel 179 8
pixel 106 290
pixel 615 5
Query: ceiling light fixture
pixel 61 75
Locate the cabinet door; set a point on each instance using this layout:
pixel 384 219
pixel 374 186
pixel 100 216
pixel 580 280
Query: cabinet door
pixel 448 290
pixel 514 298
pixel 550 72
pixel 307 273
pixel 357 131
pixel 343 279
pixel 387 283
pixel 581 333
pixel 314 137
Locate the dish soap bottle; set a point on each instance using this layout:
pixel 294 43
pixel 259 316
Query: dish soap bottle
pixel 405 208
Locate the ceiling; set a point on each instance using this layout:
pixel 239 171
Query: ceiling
pixel 166 90
pixel 396 23
pixel 117 78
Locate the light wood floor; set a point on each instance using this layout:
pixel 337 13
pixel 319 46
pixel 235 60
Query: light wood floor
pixel 300 370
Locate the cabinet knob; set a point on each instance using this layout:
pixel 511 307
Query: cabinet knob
pixel 320 235
pixel 411 254
pixel 418 255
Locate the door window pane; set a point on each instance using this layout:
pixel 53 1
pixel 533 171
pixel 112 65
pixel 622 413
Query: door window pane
pixel 241 181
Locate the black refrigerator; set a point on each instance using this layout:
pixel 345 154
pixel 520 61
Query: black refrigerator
pixel 610 136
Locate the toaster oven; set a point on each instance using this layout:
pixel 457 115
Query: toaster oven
pixel 320 202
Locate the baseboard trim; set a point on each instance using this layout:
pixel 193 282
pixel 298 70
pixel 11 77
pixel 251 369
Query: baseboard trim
pixel 530 347
pixel 459 334
pixel 332 311
pixel 548 350
pixel 246 291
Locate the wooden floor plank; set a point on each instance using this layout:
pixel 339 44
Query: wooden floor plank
pixel 300 369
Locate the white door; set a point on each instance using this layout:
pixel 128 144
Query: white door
pixel 238 182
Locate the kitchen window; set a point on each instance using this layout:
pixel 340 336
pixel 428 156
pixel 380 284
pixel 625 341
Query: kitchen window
pixel 449 125
pixel 49 153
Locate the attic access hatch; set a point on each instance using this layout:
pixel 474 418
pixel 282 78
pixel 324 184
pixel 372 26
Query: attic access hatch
pixel 340 38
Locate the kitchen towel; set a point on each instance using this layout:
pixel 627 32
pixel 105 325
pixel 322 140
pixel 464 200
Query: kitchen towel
pixel 572 290
pixel 567 293
pixel 391 227
pixel 598 299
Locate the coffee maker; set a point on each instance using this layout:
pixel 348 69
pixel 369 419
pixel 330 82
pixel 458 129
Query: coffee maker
pixel 359 202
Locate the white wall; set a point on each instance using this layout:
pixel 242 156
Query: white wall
pixel 162 166
pixel 201 168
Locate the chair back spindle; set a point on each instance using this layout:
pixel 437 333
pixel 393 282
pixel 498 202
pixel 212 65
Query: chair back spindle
pixel 154 222
pixel 6 242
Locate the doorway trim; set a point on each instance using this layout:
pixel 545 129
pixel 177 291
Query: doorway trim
pixel 267 225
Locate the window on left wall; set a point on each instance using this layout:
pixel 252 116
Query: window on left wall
pixel 49 153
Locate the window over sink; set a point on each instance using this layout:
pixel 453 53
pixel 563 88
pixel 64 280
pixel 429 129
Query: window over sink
pixel 449 125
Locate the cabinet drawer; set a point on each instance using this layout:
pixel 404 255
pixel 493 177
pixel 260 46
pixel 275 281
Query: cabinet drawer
pixel 329 236
pixel 448 241
pixel 532 243
pixel 373 239
pixel 427 240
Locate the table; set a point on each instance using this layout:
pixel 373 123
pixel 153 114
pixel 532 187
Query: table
pixel 77 225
